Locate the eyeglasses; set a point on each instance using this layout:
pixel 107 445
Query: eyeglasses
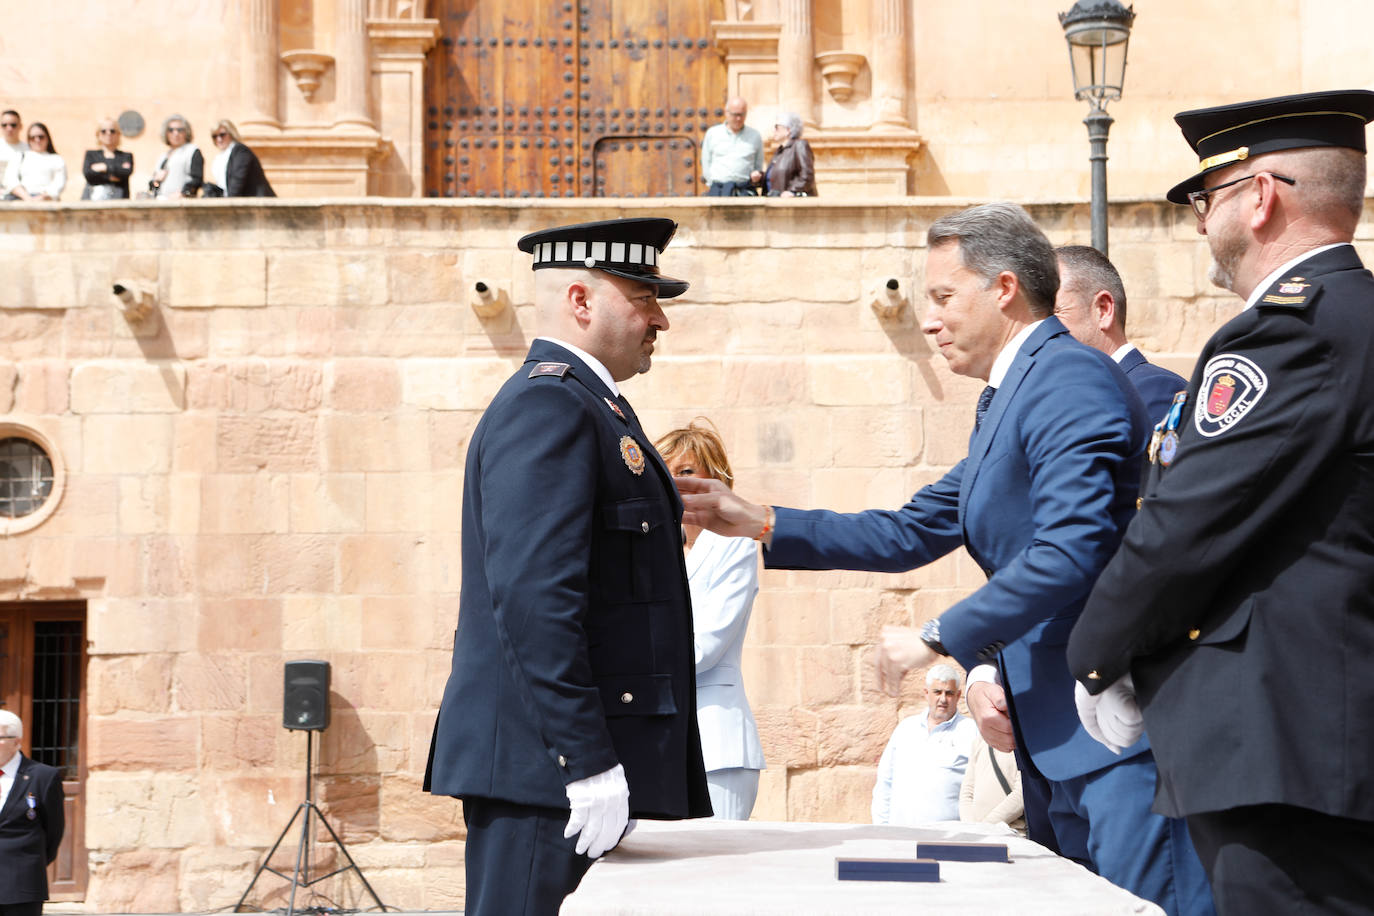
pixel 176 130
pixel 219 136
pixel 1201 201
pixel 108 130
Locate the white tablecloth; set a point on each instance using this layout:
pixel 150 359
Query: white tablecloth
pixel 761 868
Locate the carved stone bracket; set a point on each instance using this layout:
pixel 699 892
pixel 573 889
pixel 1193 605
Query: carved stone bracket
pixel 307 68
pixel 839 68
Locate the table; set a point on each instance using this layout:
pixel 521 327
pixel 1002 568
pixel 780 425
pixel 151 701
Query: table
pixel 761 868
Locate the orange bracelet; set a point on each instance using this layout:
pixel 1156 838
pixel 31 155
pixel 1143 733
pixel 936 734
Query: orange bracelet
pixel 767 524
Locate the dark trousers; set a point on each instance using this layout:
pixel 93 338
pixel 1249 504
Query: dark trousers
pixel 1279 859
pixel 31 908
pixel 730 189
pixel 517 859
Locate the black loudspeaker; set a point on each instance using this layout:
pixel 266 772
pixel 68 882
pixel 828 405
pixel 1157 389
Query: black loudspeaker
pixel 305 697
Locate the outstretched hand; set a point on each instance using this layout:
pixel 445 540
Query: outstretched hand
pixel 708 503
pixel 899 650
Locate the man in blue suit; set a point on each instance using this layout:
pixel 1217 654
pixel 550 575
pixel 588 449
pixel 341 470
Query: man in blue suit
pixel 1040 503
pixel 1092 305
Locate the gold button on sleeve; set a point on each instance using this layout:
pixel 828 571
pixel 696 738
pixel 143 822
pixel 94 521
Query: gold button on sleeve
pixel 1194 633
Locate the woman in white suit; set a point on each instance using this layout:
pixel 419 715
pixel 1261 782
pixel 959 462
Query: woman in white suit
pixel 722 574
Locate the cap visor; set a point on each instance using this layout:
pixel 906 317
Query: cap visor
pixel 668 287
pixel 1178 194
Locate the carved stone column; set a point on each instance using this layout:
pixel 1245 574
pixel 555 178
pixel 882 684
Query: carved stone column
pixel 351 68
pixel 889 65
pixel 398 81
pixel 259 35
pixel 796 57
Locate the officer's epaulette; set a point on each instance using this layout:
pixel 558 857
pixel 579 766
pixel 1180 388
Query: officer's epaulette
pixel 1293 292
pixel 558 369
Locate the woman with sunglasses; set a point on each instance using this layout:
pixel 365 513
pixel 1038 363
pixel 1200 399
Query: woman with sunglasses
pixel 41 173
pixel 236 169
pixel 107 168
pixel 181 171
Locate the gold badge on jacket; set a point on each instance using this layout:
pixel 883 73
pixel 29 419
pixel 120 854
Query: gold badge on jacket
pixel 633 454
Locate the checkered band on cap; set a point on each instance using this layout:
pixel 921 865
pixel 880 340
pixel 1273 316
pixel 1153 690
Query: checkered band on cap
pixel 594 254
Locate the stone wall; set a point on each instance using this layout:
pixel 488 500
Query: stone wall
pixel 269 467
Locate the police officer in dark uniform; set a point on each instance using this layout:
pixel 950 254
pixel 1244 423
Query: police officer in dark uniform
pixel 571 705
pixel 1238 615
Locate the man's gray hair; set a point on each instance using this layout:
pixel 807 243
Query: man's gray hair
pixel 1091 272
pixel 1001 236
pixel 792 122
pixel 11 726
pixel 938 674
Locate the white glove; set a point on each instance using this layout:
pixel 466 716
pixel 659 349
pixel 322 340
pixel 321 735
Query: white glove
pixel 1113 716
pixel 600 807
pixel 1118 713
pixel 1087 705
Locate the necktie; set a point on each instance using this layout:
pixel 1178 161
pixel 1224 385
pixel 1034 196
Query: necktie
pixel 984 400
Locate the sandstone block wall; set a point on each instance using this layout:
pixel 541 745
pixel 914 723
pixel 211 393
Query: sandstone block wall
pixel 270 468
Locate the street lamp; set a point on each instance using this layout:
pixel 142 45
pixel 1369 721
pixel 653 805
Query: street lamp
pixel 1098 32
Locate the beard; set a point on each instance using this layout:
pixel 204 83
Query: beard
pixel 1227 250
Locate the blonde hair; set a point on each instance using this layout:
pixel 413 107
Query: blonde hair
pixel 226 125
pixel 701 439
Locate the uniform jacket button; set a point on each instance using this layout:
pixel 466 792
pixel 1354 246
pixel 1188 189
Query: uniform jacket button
pixel 1139 501
pixel 562 761
pixel 1194 633
pixel 645 526
pixel 627 697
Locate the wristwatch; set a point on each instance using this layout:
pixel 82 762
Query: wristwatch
pixel 930 635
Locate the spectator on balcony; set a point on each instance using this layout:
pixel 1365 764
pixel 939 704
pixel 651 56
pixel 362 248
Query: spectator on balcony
pixel 39 173
pixel 11 144
pixel 732 155
pixel 107 168
pixel 236 170
pixel 791 172
pixel 181 171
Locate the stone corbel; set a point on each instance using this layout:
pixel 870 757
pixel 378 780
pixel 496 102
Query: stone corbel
pixel 307 68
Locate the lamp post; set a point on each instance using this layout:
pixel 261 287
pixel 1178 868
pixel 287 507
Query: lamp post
pixel 1098 32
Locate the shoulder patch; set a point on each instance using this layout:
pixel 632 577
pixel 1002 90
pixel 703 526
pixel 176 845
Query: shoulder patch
pixel 1291 291
pixel 1231 387
pixel 558 369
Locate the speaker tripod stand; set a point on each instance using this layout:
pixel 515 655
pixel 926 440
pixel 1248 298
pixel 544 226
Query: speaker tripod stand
pixel 307 811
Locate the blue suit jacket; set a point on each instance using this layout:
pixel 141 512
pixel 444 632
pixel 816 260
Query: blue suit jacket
pixel 28 845
pixel 1157 385
pixel 1040 503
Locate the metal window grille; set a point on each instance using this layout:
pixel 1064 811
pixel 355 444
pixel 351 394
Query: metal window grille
pixel 57 694
pixel 26 477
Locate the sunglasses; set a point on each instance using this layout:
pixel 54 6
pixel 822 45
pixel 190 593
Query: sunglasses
pixel 9 125
pixel 219 136
pixel 176 130
pixel 38 136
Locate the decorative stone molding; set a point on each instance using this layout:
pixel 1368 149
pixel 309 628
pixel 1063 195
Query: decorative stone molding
pixel 839 69
pixel 860 163
pixel 318 162
pixel 307 68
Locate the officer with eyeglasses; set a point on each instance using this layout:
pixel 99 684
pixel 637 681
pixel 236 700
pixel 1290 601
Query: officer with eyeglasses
pixel 1238 615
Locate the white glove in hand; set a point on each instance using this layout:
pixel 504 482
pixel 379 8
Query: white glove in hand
pixel 600 808
pixel 1118 714
pixel 1087 705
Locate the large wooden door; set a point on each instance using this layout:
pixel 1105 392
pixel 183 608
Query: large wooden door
pixel 570 98
pixel 42 680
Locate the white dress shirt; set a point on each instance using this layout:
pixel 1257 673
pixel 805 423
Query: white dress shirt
pixel 921 771
pixel 592 362
pixel 11 769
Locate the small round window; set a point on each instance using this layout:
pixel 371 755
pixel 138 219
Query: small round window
pixel 32 476
pixel 26 477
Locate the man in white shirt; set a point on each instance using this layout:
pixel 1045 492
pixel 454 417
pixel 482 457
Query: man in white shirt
pixel 923 764
pixel 12 146
pixel 732 154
